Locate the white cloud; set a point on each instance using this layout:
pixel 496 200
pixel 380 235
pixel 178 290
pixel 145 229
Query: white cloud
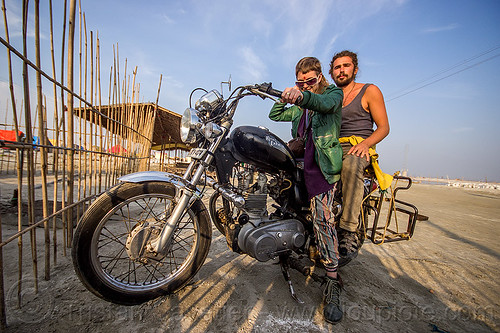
pixel 303 31
pixel 253 68
pixel 448 27
pixel 173 82
pixel 307 23
pixel 167 19
pixel 15 19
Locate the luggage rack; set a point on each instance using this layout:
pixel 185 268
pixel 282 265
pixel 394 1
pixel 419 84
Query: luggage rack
pixel 395 228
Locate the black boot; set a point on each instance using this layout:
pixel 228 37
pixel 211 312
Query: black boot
pixel 333 311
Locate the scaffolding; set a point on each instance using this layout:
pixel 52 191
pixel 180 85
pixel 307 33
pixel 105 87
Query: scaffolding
pixel 64 143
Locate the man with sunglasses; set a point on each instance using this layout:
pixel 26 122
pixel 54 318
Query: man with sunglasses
pixel 363 105
pixel 316 115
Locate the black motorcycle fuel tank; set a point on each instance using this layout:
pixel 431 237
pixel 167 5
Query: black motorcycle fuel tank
pixel 260 147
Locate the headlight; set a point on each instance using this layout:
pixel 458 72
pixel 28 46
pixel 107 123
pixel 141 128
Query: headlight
pixel 209 101
pixel 189 126
pixel 212 130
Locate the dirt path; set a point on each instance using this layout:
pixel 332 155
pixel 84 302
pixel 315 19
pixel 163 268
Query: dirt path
pixel 443 280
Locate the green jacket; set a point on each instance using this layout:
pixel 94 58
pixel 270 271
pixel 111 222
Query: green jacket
pixel 325 124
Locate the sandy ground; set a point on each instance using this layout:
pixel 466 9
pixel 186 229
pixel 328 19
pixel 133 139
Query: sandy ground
pixel 445 279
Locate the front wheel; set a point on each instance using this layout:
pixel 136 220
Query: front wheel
pixel 109 246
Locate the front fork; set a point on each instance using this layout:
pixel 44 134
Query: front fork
pixel 161 244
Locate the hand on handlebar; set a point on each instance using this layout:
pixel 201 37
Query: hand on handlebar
pixel 292 95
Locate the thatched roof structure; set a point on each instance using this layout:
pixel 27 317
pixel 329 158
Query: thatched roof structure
pixel 166 132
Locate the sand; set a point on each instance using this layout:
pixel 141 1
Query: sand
pixel 445 279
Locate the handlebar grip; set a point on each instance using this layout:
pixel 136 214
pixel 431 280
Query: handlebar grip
pixel 275 92
pixel 268 89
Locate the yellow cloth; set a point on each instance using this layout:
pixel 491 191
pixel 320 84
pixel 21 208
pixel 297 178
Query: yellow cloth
pixel 384 180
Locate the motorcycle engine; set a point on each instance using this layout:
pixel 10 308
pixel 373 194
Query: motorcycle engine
pixel 260 237
pixel 269 240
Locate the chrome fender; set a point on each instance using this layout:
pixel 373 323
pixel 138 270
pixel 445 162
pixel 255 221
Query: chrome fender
pixel 159 176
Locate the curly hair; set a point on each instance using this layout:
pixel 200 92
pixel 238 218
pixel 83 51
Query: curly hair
pixel 308 64
pixel 345 53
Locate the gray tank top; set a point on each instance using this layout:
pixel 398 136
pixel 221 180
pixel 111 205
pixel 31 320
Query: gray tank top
pixel 355 119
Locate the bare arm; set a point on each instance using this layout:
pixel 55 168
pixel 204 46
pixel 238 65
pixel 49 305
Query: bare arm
pixel 373 101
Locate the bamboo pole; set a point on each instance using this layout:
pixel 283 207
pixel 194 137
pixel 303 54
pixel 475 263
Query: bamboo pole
pixel 55 154
pixel 98 90
pixel 45 194
pixel 70 134
pixel 29 137
pixel 123 118
pixel 3 318
pixel 109 128
pixel 93 140
pixel 41 134
pixel 2 160
pixel 116 115
pixel 152 123
pixel 85 143
pixel 79 110
pixel 134 117
pixel 19 152
pixel 63 136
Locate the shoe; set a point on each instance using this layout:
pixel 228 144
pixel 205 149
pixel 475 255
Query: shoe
pixel 348 245
pixel 333 311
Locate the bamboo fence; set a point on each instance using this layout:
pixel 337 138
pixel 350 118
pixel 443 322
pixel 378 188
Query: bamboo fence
pixel 80 150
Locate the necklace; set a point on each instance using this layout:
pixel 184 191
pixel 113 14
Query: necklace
pixel 345 98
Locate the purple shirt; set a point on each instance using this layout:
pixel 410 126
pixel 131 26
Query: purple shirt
pixel 315 181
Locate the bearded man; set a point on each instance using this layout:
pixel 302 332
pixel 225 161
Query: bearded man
pixel 363 105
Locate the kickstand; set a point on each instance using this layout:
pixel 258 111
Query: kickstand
pixel 284 269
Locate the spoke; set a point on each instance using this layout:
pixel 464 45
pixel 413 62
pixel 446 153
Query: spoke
pixel 117 255
pixel 175 262
pixel 187 245
pixel 149 211
pixel 110 259
pixel 128 219
pixel 125 275
pixel 111 237
pixel 151 274
pixel 149 208
pixel 155 267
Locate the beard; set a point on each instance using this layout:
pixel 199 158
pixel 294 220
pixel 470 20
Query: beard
pixel 345 81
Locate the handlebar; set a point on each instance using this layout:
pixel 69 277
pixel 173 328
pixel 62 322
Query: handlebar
pixel 267 87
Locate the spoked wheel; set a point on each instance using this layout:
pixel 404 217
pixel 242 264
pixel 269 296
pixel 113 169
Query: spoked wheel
pixel 110 251
pixel 218 207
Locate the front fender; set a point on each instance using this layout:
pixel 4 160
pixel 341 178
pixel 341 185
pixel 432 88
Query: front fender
pixel 159 176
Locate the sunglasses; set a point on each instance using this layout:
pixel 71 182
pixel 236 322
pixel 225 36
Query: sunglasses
pixel 310 82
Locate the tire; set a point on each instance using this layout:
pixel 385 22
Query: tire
pixel 216 207
pixel 107 252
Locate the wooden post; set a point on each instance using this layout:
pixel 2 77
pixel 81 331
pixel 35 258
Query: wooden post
pixel 62 126
pixel 29 138
pixel 70 85
pixel 42 136
pixel 55 154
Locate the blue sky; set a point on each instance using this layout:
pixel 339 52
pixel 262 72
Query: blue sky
pixel 436 62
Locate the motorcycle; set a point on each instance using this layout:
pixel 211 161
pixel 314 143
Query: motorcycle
pixel 150 234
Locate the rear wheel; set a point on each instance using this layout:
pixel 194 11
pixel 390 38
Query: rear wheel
pixel 109 246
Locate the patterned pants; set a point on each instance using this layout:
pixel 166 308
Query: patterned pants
pixel 324 229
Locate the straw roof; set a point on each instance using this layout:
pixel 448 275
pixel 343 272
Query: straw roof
pixel 166 131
